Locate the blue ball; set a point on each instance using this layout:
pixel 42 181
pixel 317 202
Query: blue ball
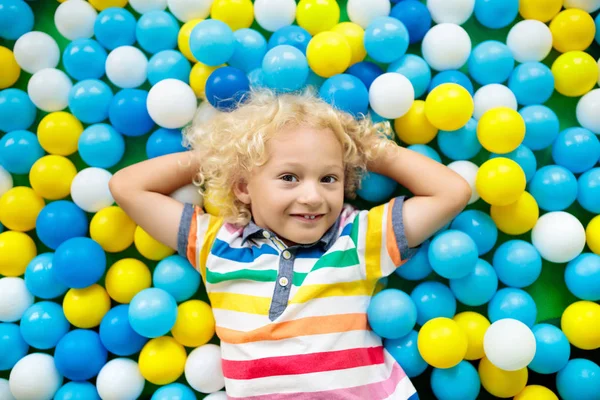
pixel 79 262
pixel 582 276
pixel 115 27
pixel 588 193
pixel 116 332
pixel 12 345
pixel 173 391
pixel 366 71
pixel 16 102
pixel 517 263
pixel 256 77
pixel 347 93
pixel 157 30
pixel 16 19
pixel 523 156
pixel 392 314
pixel 60 221
pixel 453 254
pixel 491 61
pixel 579 380
pixel 554 188
pixel 576 149
pixel 89 100
pixel 496 14
pixel 376 188
pixel 417 267
pixel 552 349
pixel 532 83
pixel 461 144
pixel 85 59
pixel 541 126
pixel 425 150
pixel 77 391
pixel 128 112
pixel 597 21
pixel 176 276
pixel 226 87
pixel 460 382
pixel 44 324
pixel 479 226
pixel 433 300
pixel 386 39
pixel 451 76
pixel 40 279
pixel 285 68
pixel 80 355
pixel 406 353
pixel 164 141
pixel 513 303
pixel 168 64
pixel 415 16
pixel 19 150
pixel 250 49
pixel 212 42
pixel 292 35
pixel 414 68
pixel 152 312
pixel 101 146
pixel 478 287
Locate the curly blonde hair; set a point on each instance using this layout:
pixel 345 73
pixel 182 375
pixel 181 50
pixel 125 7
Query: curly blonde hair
pixel 230 144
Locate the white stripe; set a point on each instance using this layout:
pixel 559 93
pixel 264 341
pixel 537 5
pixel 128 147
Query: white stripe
pixel 403 391
pixel 201 228
pixel 363 222
pixel 330 275
pixel 239 321
pixel 224 265
pixel 242 286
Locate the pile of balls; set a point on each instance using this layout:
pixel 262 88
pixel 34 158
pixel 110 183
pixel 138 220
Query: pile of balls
pixel 143 69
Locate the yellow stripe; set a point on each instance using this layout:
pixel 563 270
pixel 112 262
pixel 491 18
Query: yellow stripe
pixel 355 288
pixel 373 242
pixel 240 302
pixel 214 224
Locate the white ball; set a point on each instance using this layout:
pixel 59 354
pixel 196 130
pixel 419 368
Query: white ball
pixel 127 67
pixel 529 40
pixel 120 379
pixel 274 14
pixel 205 112
pixel 558 236
pixel 362 12
pixel 35 377
pixel 143 6
pixel 187 10
pixel 6 181
pixel 509 344
pixel 89 189
pixel 35 51
pixel 468 171
pixel 15 299
pixel 391 95
pixel 492 96
pixel 75 19
pixel 587 5
pixel 216 396
pixel 588 111
pixel 598 71
pixel 5 393
pixel 171 103
pixel 446 46
pixel 49 89
pixel 188 194
pixel 203 369
pixel 450 11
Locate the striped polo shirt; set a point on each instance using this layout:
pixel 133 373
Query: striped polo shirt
pixel 292 321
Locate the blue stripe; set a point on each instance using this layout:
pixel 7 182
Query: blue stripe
pixel 415 396
pixel 347 229
pixel 245 254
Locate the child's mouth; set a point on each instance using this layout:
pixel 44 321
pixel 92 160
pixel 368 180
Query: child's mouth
pixel 306 218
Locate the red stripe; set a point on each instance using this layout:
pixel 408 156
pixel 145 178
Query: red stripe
pixel 303 364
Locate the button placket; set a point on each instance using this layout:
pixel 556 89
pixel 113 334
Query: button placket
pixel 281 292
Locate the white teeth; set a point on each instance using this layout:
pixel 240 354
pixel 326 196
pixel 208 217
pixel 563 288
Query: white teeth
pixel 309 216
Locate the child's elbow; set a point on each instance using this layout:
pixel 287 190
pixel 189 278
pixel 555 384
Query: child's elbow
pixel 464 193
pixel 116 186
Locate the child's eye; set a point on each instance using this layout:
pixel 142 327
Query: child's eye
pixel 332 178
pixel 288 178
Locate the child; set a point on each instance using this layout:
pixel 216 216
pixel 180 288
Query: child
pixel 288 267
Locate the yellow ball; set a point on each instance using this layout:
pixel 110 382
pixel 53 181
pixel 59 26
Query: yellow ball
pixel 149 247
pixel 85 308
pixel 104 4
pixel 500 181
pixel 474 326
pixel 237 14
pixel 572 29
pixel 162 360
pixel 198 77
pixel 449 106
pixel 19 208
pixel 518 217
pixel 59 132
pixel 536 392
pixel 210 205
pixel 112 229
pixel 317 15
pixel 442 343
pixel 575 73
pixel 542 10
pixel 592 234
pixel 501 383
pixel 328 54
pixel 183 38
pixel 17 249
pixel 501 130
pixel 9 67
pixel 126 278
pixel 195 324
pixel 354 34
pixel 51 177
pixel 414 127
pixel 581 324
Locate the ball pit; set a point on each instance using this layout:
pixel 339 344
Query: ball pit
pixel 501 302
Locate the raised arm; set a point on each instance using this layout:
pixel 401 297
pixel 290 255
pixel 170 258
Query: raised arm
pixel 439 193
pixel 142 190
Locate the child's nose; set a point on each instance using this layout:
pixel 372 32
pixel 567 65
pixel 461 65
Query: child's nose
pixel 311 194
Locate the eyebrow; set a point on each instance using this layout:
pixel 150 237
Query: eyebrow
pixel 294 164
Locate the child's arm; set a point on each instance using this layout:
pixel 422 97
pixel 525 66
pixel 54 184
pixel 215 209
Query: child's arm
pixel 142 190
pixel 439 193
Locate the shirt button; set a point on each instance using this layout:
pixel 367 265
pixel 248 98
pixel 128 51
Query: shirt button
pixel 286 255
pixel 283 281
pixel 266 234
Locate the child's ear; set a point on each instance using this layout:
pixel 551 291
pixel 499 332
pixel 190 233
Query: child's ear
pixel 241 191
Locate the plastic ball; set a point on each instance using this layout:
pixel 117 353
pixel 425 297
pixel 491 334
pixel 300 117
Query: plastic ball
pixel 453 254
pixel 79 262
pixel 426 151
pixel 406 353
pixel 250 49
pixel 364 14
pixel 496 14
pixel 177 276
pixel 19 150
pixel 532 83
pixel 89 100
pixel 541 126
pixel 220 395
pixel 317 16
pixel 85 308
pixel 354 35
pixel 101 146
pixel 85 59
pixel 578 380
pixel 150 247
pixel 582 276
pixel 12 346
pixel 5 390
pixel 112 229
pixel 162 360
pixel 386 39
pixel 51 177
pixel 474 326
pixel 35 51
pixel 458 382
pixel 285 69
pixel 115 27
pixel 183 38
pixel 156 30
pixel 417 267
pixel 554 188
pixel 592 232
pixel 478 287
pixel 49 89
pixel 152 312
pixel 203 370
pixel 126 67
pixel 198 77
pixel 164 141
pixel 586 5
pixel 17 249
pixel 518 217
pixel 376 188
pixel 501 383
pixel 40 280
pixel 80 355
pixel 74 19
pixel 292 35
pixel 171 103
pixel 446 46
pixel 500 181
pixel 144 6
pixel 212 42
pixel 175 390
pixel 561 245
pixel 89 189
pixel 187 194
pixel 491 62
pixel 19 208
pixel 16 19
pixel 6 182
pixel 541 10
pixel 517 263
pixel 493 96
pixel 512 303
pixel 572 29
pixel 433 300
pixel 391 95
pixel 523 156
pixel 414 127
pixel 43 325
pixel 126 278
pixel 552 349
pixel 59 132
pixel 449 106
pixel 468 171
pixel 77 391
pixel 575 73
pixel 414 68
pixel 442 343
pixel 185 11
pixel 129 114
pixel 581 324
pixel 273 15
pixel 479 226
pixel 509 344
pixel 451 76
pixel 35 376
pixel 454 12
pixel 328 54
pixel 168 64
pixel 529 40
pixel 576 149
pixel 586 111
pixel 237 14
pixel 120 378
pixel 195 324
pixel 116 332
pixel 392 313
pixel 11 69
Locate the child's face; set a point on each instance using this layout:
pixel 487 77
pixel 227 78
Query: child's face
pixel 304 175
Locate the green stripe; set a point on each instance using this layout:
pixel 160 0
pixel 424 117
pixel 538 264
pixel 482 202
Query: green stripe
pixel 354 231
pixel 269 275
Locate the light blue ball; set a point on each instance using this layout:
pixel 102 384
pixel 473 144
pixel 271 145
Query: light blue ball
pixel 582 276
pixel 554 188
pixel 89 100
pixel 40 279
pixel 406 352
pixel 12 345
pixel 60 221
pixel 414 68
pixel 176 276
pixel 386 39
pixel 101 146
pixel 453 254
pixel 517 263
pixel 293 35
pixel 77 391
pixel 478 287
pixel 425 150
pixel 19 150
pixel 496 14
pixel 479 226
pixel 451 76
pixel 257 78
pixel 116 332
pixel 579 380
pixel 115 27
pixel 44 324
pixel 541 126
pixel 250 49
pixel 417 267
pixel 16 19
pixel 552 349
pixel 212 42
pixel 532 83
pixel 523 156
pixel 392 313
pixel 164 141
pixel 597 21
pixel 347 93
pixel 85 59
pixel 588 192
pixel 80 355
pixel 433 300
pixel 174 391
pixel 491 61
pixel 157 30
pixel 285 68
pixel 79 262
pixel 375 187
pixel 576 149
pixel 16 102
pixel 513 303
pixel 460 382
pixel 168 64
pixel 461 144
pixel 152 312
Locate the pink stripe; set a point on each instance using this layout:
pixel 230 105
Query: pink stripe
pixel 377 390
